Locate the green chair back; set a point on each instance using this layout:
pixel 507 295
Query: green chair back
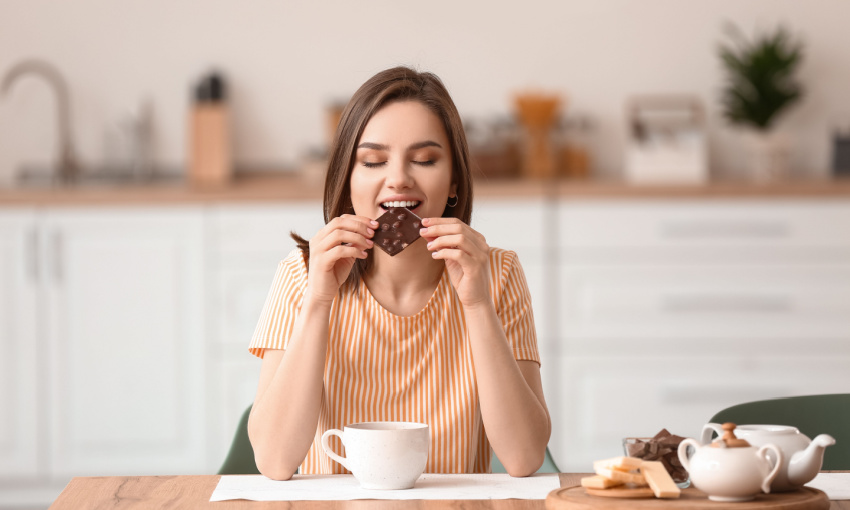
pixel 240 458
pixel 811 414
pixel 548 466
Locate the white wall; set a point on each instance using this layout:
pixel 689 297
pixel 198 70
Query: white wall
pixel 287 59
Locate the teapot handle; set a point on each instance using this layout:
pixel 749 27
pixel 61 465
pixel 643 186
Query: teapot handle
pixel 708 429
pixel 683 452
pixel 762 452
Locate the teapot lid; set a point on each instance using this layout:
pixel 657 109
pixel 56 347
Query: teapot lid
pixel 729 440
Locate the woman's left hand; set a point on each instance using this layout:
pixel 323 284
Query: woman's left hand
pixel 466 254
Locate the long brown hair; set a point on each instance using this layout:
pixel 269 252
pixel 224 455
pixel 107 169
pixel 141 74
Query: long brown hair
pixel 396 84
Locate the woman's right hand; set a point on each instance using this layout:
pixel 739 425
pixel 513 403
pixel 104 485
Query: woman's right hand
pixel 333 251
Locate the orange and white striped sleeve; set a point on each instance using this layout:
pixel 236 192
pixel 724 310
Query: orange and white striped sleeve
pixel 283 304
pixel 514 309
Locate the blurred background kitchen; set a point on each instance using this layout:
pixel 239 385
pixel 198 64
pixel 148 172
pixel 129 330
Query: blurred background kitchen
pixel 681 215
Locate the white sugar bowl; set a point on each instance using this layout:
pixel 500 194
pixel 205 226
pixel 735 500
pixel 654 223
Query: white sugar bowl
pixel 730 469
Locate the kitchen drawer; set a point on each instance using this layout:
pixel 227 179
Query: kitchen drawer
pixel 715 223
pixel 518 225
pixel 688 306
pixel 604 399
pixel 245 230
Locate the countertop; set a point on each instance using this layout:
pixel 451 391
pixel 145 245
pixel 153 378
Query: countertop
pixel 275 187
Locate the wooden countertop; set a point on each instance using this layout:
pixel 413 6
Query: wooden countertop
pixel 275 187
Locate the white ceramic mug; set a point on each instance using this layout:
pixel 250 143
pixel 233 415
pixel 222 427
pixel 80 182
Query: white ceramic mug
pixel 382 454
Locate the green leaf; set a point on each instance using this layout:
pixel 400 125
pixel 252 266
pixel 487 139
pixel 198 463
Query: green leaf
pixel 759 81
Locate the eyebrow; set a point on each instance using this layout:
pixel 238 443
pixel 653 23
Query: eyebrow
pixel 413 147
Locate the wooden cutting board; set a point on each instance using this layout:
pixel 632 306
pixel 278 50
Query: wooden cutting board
pixel 575 498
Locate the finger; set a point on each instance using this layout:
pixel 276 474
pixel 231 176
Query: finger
pixel 446 230
pixel 441 221
pixel 360 224
pixel 441 230
pixel 343 252
pixel 344 237
pixel 449 241
pixel 452 254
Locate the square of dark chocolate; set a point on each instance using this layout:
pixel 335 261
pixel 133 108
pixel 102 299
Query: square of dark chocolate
pixel 397 229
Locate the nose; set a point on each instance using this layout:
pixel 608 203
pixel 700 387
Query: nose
pixel 398 175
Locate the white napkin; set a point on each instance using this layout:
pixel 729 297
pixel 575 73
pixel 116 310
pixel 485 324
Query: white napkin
pixel 345 487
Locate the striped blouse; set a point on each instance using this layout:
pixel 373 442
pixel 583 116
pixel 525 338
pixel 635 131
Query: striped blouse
pixel 385 367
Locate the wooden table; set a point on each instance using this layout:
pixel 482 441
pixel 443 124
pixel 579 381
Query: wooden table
pixel 163 492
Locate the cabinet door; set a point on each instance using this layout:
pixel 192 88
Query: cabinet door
pixel 606 398
pixel 125 340
pixel 248 242
pixel 21 396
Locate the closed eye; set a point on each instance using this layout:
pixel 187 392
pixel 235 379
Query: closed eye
pixel 368 164
pixel 429 162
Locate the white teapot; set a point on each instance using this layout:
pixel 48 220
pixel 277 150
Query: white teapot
pixel 803 457
pixel 730 469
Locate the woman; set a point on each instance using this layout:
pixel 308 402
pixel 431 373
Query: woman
pixel 441 333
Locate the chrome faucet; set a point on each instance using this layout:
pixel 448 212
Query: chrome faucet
pixel 68 167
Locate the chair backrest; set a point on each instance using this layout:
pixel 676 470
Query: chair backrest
pixel 240 458
pixel 548 466
pixel 811 414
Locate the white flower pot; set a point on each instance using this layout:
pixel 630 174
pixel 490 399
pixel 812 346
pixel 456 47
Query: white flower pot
pixel 767 155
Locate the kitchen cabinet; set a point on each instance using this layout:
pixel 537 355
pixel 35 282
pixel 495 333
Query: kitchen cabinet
pixel 124 329
pixel 246 243
pixel 125 341
pixel 103 336
pixel 670 311
pixel 21 389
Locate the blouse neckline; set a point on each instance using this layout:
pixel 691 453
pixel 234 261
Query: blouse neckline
pixel 432 301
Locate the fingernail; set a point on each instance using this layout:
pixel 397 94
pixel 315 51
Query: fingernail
pixel 374 223
pixel 422 231
pixel 370 242
pixel 426 221
pixel 370 231
pixel 429 244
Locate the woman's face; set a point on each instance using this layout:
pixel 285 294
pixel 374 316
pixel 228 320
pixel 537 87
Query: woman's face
pixel 403 159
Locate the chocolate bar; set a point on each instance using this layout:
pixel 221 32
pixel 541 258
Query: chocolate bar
pixel 664 448
pixel 397 229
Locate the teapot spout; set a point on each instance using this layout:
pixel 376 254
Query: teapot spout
pixel 805 464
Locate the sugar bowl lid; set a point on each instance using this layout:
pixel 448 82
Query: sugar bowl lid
pixel 729 440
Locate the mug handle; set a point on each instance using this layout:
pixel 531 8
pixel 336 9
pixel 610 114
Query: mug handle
pixel 683 452
pixel 708 429
pixel 762 452
pixel 327 447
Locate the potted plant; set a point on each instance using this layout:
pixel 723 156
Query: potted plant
pixel 760 84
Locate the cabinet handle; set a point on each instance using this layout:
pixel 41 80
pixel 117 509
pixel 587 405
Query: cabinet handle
pixel 57 257
pixel 726 303
pixel 696 229
pixel 32 258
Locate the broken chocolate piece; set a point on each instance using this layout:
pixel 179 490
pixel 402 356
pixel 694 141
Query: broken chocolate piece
pixel 663 447
pixel 398 228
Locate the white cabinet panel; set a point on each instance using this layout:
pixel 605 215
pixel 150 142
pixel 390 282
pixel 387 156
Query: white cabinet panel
pixel 241 295
pixel 708 223
pixel 234 381
pixel 21 368
pixel 513 224
pixel 126 341
pixel 606 398
pixel 697 303
pixel 256 230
